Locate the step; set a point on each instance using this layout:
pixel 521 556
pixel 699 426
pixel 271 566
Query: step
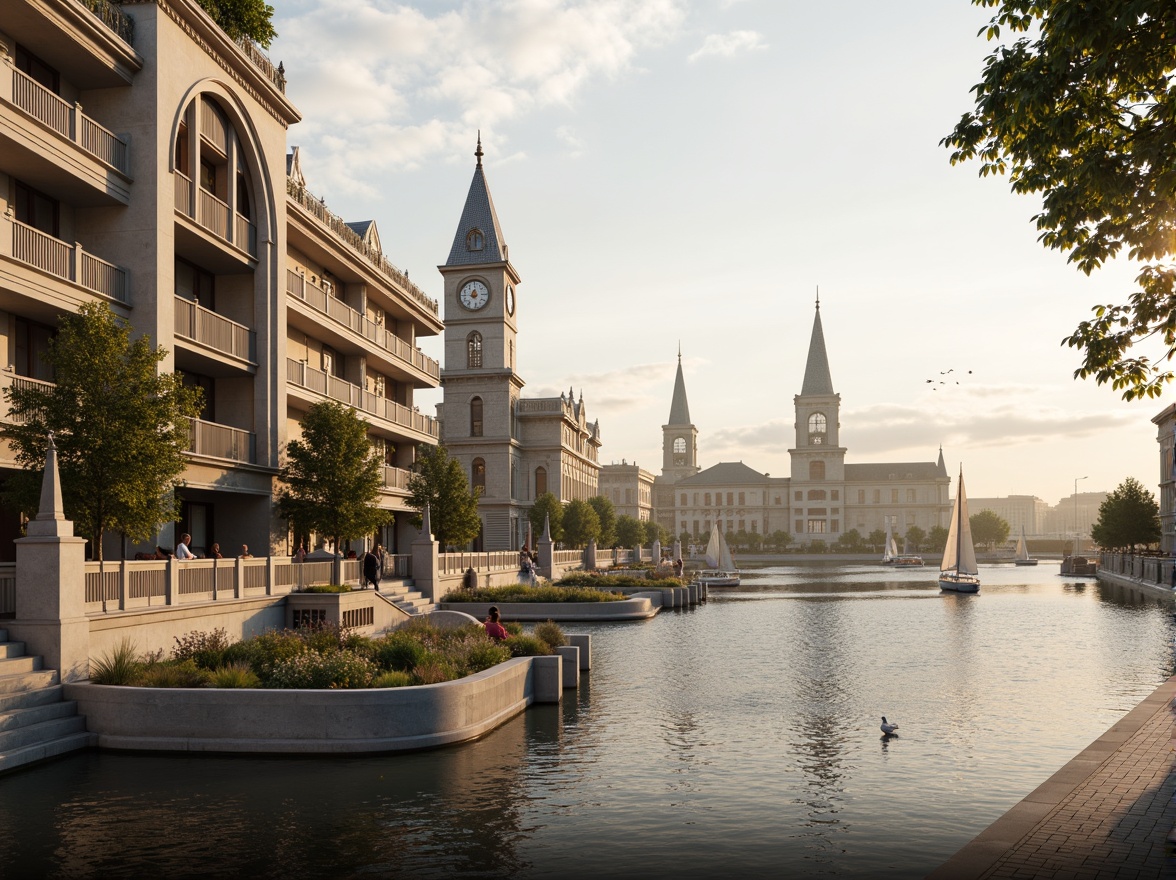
pixel 36 696
pixel 11 649
pixel 31 754
pixel 42 731
pixel 13 665
pixel 25 717
pixel 27 681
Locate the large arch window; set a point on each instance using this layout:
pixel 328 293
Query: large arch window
pixel 817 426
pixel 474 351
pixel 816 470
pixel 478 474
pixel 540 481
pixel 476 417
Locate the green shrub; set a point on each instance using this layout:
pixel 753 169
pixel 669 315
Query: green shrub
pixel 513 628
pixel 434 669
pixel 398 651
pixel 205 649
pixel 551 633
pixel 325 638
pixel 483 656
pixel 310 669
pixel 328 588
pixel 392 679
pixel 120 666
pixel 173 674
pixel 266 652
pixel 234 675
pixel 616 581
pixel 524 593
pixel 527 646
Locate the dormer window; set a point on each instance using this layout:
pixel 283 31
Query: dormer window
pixel 475 241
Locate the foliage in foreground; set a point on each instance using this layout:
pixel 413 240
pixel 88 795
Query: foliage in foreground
pixel 440 482
pixel 524 593
pixel 614 581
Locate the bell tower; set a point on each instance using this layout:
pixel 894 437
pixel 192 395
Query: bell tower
pixel 679 436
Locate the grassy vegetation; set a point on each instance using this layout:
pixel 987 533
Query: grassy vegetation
pixel 328 588
pixel 524 593
pixel 614 581
pixel 323 657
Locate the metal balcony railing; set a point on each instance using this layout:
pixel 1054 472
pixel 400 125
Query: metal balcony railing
pixel 206 327
pixel 69 262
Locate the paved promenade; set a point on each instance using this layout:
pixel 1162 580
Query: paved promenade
pixel 1106 814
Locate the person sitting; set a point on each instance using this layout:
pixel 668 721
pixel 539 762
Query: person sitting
pixel 469 580
pixel 214 552
pixel 160 553
pixel 183 551
pixel 494 627
pixel 245 554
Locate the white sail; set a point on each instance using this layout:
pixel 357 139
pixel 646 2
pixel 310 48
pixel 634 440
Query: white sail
pixel 1022 547
pixel 718 555
pixel 890 550
pixel 960 554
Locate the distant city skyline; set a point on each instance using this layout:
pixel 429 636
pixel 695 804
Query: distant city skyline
pixel 671 173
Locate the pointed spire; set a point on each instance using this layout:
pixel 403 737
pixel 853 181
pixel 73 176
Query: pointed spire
pixel 50 520
pixel 478 216
pixel 816 372
pixel 679 408
pixel 941 468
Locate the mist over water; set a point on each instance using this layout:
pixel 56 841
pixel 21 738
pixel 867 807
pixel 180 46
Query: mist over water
pixel 741 736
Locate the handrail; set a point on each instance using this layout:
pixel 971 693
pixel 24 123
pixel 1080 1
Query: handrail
pixel 221 441
pixel 299 373
pixel 114 18
pixel 193 321
pixel 68 262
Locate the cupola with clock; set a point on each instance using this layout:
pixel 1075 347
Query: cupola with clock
pixel 818 415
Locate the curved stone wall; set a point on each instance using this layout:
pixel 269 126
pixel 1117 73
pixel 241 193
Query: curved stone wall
pixel 635 608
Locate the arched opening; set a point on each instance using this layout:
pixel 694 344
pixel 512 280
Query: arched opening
pixel 540 481
pixel 474 351
pixel 817 427
pixel 478 475
pixel 476 417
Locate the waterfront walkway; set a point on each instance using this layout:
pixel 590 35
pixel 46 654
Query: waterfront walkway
pixel 1107 814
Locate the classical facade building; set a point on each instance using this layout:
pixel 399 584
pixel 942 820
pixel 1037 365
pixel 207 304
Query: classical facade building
pixel 1026 512
pixel 825 495
pixel 629 488
pixel 512 447
pixel 144 164
pixel 1165 423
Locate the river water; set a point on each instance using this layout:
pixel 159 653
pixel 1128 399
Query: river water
pixel 738 737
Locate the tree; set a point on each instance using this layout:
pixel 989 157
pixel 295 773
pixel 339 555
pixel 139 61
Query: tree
pixel 915 537
pixel 580 523
pixel 685 539
pixel 781 539
pixel 654 531
pixel 988 528
pixel 1083 112
pixel 120 427
pixel 630 532
pixel 936 539
pixel 243 18
pixel 816 545
pixel 548 507
pixel 1129 517
pixel 331 480
pixel 441 482
pixel 851 541
pixel 607 514
pixel 755 542
pixel 876 540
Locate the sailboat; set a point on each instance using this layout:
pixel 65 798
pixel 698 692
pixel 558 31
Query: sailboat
pixel 908 559
pixel 891 549
pixel 959 571
pixel 1022 556
pixel 722 571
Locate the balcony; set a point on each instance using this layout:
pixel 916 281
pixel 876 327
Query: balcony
pixel 114 18
pixel 396 480
pixel 68 121
pixel 11 380
pixel 211 440
pixel 205 327
pixel 214 216
pixel 321 383
pixel 322 302
pixel 65 261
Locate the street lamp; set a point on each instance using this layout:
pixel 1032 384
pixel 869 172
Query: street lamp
pixel 1077 530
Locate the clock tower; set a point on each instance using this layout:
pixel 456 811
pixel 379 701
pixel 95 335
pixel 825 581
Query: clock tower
pixel 481 388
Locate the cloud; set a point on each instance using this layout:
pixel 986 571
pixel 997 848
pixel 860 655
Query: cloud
pixel 567 136
pixel 729 45
pixel 640 386
pixel 388 87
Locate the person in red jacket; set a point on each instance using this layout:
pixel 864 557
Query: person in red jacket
pixel 494 629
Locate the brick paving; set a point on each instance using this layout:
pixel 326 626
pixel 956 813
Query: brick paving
pixel 1107 814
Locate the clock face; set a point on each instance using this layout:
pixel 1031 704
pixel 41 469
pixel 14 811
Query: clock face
pixel 474 295
pixel 510 299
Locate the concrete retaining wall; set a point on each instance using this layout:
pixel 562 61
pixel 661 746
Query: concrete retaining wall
pixel 316 721
pixel 637 608
pixel 155 629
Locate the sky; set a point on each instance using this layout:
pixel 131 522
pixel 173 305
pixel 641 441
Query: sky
pixel 688 173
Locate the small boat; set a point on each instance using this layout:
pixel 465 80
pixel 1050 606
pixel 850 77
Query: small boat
pixel 907 560
pixel 959 571
pixel 890 553
pixel 1022 557
pixel 722 571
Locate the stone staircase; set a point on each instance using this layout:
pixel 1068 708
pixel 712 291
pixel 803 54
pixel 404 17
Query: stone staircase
pixel 36 722
pixel 401 594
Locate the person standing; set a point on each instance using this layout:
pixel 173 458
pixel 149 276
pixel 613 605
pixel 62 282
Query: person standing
pixel 183 551
pixel 371 570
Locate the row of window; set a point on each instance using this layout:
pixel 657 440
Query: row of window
pixel 478 477
pixel 800 495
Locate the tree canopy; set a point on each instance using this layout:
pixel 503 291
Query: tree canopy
pixel 440 482
pixel 936 539
pixel 1128 517
pixel 607 514
pixel 1080 108
pixel 580 523
pixel 988 528
pixel 243 18
pixel 548 507
pixel 331 480
pixel 121 429
pixel 630 531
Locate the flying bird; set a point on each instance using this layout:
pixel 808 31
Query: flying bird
pixel 887 727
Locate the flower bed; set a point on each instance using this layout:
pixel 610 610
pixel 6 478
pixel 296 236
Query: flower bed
pixel 522 593
pixel 616 581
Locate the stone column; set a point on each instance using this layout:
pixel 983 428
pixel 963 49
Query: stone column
pixel 590 556
pixel 425 562
pixel 656 554
pixel 51 584
pixel 547 551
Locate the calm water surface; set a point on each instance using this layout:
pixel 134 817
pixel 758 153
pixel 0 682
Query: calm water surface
pixel 741 736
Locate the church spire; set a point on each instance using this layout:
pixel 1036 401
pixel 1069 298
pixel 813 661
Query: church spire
pixel 679 408
pixel 816 372
pixel 479 237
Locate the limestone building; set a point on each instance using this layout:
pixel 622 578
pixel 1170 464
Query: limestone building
pixel 1019 511
pixel 144 164
pixel 630 489
pixel 825 495
pixel 513 448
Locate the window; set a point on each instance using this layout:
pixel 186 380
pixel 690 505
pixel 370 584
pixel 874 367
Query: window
pixel 816 470
pixel 243 203
pixel 696 502
pixel 479 474
pixel 194 283
pixel 835 494
pixel 816 495
pixel 332 363
pixel 798 496
pixel 476 417
pixel 208 176
pixel 474 351
pixel 208 401
pixel 706 499
pixel 679 444
pixel 743 525
pixel 37 70
pixel 816 424
pixel 816 527
pixel 800 527
pixel 836 527
pixel 741 502
pixel 894 496
pixel 877 496
pixel 683 499
pixel 35 209
pixel 29 346
pixel 730 498
pixel 910 496
pixel 475 240
pixel 861 496
pixel 540 481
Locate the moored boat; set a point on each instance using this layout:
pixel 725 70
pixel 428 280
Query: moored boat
pixel 722 571
pixel 959 571
pixel 1022 557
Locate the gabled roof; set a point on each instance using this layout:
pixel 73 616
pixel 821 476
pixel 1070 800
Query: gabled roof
pixel 294 167
pixel 366 230
pixel 679 408
pixel 478 214
pixel 725 473
pixel 901 470
pixel 816 372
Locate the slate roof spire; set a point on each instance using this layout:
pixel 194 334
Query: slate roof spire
pixel 679 408
pixel 940 466
pixel 816 372
pixel 478 214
